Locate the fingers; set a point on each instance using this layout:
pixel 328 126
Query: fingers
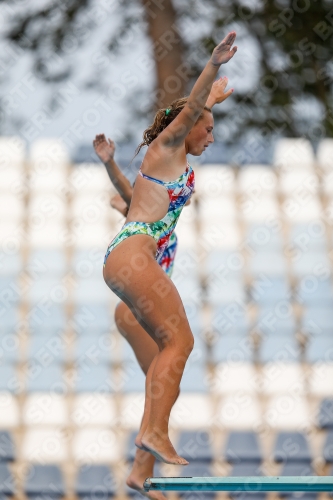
pixel 229 39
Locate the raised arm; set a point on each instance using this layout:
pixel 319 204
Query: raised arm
pixel 105 152
pixel 174 134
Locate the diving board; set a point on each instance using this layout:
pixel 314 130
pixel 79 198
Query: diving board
pixel 249 484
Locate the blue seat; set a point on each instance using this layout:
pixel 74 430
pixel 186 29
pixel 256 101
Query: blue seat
pixel 270 263
pixel 41 378
pixel 95 481
pixel 95 348
pixel 7 448
pixel 94 378
pixel 328 448
pixel 227 266
pixel 277 320
pixel 292 447
pixel 231 347
pixel 9 293
pixel 196 469
pixel 268 290
pixel 7 485
pixel 317 320
pixel 10 265
pixel 230 318
pixel 46 480
pixel 47 320
pixel 308 237
pixel 9 348
pixel 320 349
pixel 312 291
pixel 90 318
pixel 325 417
pixel 87 263
pixel 9 380
pixel 195 377
pixel 131 377
pixel 279 348
pixel 48 262
pixel 45 349
pixel 307 262
pixel 130 447
pixel 195 446
pixel 298 469
pixel 9 319
pixel 242 447
pixel 262 238
pixel 247 469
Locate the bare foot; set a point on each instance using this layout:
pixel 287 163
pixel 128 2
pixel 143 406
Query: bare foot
pixel 136 483
pixel 162 449
pixel 143 467
pixel 138 443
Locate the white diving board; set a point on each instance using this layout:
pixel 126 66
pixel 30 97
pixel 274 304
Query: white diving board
pixel 249 484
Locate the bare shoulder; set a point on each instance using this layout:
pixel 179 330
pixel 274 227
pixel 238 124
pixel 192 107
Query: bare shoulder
pixel 164 163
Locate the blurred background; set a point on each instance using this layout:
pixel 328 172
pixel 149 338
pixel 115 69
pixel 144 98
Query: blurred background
pixel 254 262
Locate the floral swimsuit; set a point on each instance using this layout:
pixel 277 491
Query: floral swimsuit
pixel 179 190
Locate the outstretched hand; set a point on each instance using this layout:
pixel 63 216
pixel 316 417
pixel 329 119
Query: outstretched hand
pixel 217 94
pixel 104 148
pixel 223 51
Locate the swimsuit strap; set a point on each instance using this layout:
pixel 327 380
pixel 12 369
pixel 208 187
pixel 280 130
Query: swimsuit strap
pixel 159 180
pixel 150 178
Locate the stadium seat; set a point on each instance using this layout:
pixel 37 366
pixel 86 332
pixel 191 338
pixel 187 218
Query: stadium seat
pixel 96 445
pixel 328 448
pixel 241 413
pixel 47 318
pixel 230 318
pixel 90 317
pixel 192 411
pixel 320 379
pixel 234 377
pixel 283 378
pixel 11 417
pixel 311 290
pixel 7 447
pixel 9 379
pixel 325 415
pixel 45 409
pixel 50 262
pixel 195 446
pixel 93 409
pixel 317 321
pixel 268 290
pixel 44 480
pixel 242 447
pixel 247 469
pixel 292 447
pixel 47 349
pixel 261 263
pixel 232 347
pixel 276 320
pixel 7 484
pixel 320 349
pixel 95 481
pixel 297 469
pixel 131 377
pixel 91 377
pixel 293 154
pixel 263 238
pixel 325 154
pixel 41 378
pixel 45 444
pixel 286 412
pixel 279 348
pixel 196 469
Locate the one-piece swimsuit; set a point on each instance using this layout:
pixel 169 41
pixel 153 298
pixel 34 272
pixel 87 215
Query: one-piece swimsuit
pixel 179 191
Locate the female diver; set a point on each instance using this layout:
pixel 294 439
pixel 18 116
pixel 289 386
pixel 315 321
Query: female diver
pixel 144 347
pixel 131 269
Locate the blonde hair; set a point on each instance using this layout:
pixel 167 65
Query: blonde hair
pixel 162 119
